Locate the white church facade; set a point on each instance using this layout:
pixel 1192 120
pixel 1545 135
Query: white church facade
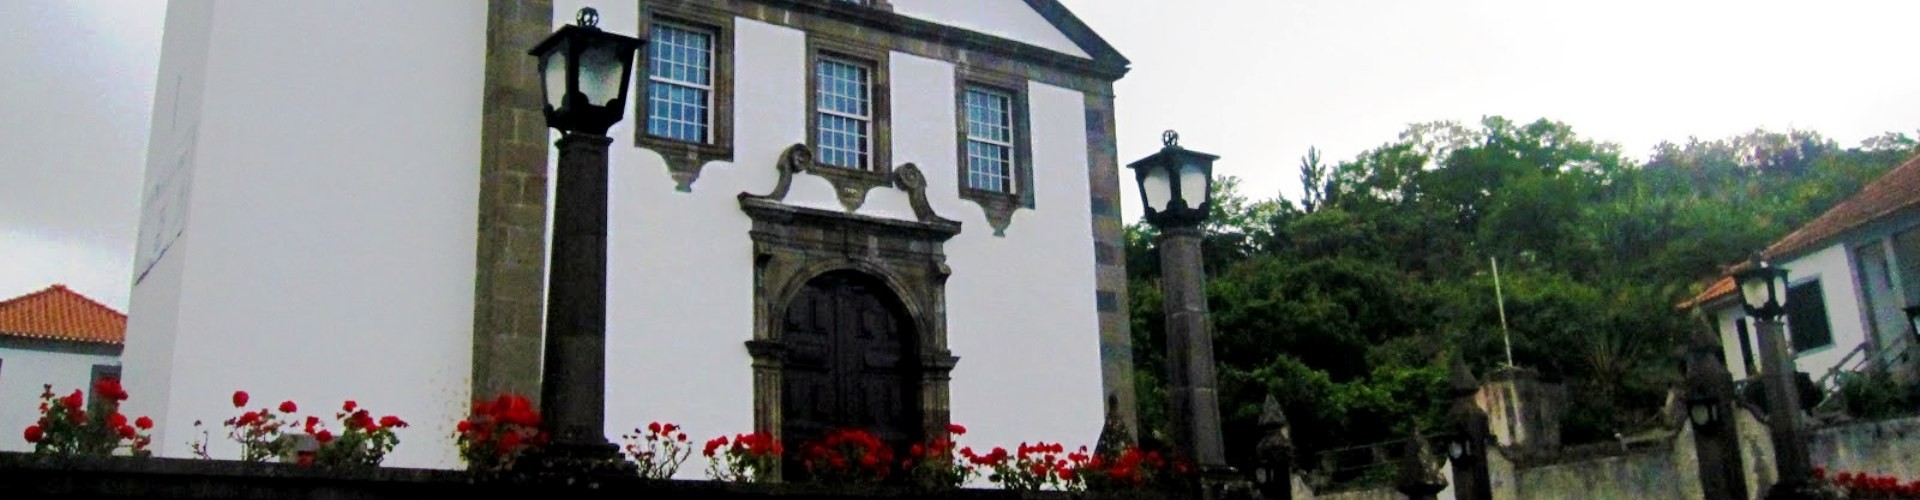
pixel 886 213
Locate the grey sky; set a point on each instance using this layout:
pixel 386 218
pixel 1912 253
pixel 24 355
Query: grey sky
pixel 1256 81
pixel 76 94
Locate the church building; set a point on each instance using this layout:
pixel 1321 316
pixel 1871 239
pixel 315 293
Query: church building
pixel 889 214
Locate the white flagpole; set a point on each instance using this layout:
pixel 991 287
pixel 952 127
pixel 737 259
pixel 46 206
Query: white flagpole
pixel 1501 301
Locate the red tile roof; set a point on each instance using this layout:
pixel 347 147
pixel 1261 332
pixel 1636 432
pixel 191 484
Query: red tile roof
pixel 1720 288
pixel 57 313
pixel 1898 190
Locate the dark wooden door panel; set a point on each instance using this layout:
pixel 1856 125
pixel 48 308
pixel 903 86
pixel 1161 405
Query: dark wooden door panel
pixel 849 362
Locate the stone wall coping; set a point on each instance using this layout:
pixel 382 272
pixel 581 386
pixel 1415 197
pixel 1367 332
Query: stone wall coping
pixel 25 475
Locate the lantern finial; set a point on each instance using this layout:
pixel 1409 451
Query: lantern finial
pixel 1170 139
pixel 587 18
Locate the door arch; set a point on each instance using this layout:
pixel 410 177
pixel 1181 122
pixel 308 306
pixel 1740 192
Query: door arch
pixel 850 362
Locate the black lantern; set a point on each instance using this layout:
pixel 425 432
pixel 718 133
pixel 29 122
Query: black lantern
pixel 1703 411
pixel 1175 184
pixel 1763 290
pixel 584 74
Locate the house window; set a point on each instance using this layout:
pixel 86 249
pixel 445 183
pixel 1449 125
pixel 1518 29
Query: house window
pixel 687 97
pixel 1746 345
pixel 849 128
pixel 1807 317
pixel 995 162
pixel 1906 263
pixel 843 97
pixel 680 83
pixel 989 140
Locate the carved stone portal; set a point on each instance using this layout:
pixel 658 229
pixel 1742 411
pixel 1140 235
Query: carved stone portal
pixel 795 247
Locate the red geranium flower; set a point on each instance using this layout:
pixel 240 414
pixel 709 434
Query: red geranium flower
pixel 110 388
pixel 288 407
pixel 956 429
pixel 74 400
pixel 34 434
pixel 349 406
pixel 508 442
pixel 143 423
pixel 240 399
pixel 323 436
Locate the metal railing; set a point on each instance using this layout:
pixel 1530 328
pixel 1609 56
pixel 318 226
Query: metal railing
pixel 1356 466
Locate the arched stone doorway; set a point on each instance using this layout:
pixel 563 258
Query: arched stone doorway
pixel 850 361
pixel 849 321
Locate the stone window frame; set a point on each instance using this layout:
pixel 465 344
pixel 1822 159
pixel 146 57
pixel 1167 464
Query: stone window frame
pixel 686 159
pixel 851 185
pixel 999 206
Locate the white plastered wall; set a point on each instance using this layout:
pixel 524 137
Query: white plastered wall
pixel 1831 266
pixel 334 191
pixel 24 374
pixel 163 245
pixel 1020 308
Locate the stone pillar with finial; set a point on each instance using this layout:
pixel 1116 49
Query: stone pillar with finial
pixel 1273 471
pixel 1419 476
pixel 1467 445
pixel 1115 435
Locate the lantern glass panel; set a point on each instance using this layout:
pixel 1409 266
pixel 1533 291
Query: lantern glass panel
pixel 1753 290
pixel 600 72
pixel 1193 184
pixel 553 69
pixel 1777 288
pixel 1157 188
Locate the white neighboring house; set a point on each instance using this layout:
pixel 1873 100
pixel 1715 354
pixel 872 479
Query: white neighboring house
pixel 52 336
pixel 349 200
pixel 1851 272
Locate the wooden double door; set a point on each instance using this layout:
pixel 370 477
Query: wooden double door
pixel 850 363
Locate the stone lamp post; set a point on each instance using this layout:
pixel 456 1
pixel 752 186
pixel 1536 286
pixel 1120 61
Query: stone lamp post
pixel 583 75
pixel 1709 390
pixel 1763 292
pixel 1176 186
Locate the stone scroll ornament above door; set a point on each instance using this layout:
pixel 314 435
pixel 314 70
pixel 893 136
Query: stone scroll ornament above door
pixel 795 245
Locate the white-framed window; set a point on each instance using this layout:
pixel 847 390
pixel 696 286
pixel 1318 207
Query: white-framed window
pixel 680 74
pixel 990 139
pixel 843 96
